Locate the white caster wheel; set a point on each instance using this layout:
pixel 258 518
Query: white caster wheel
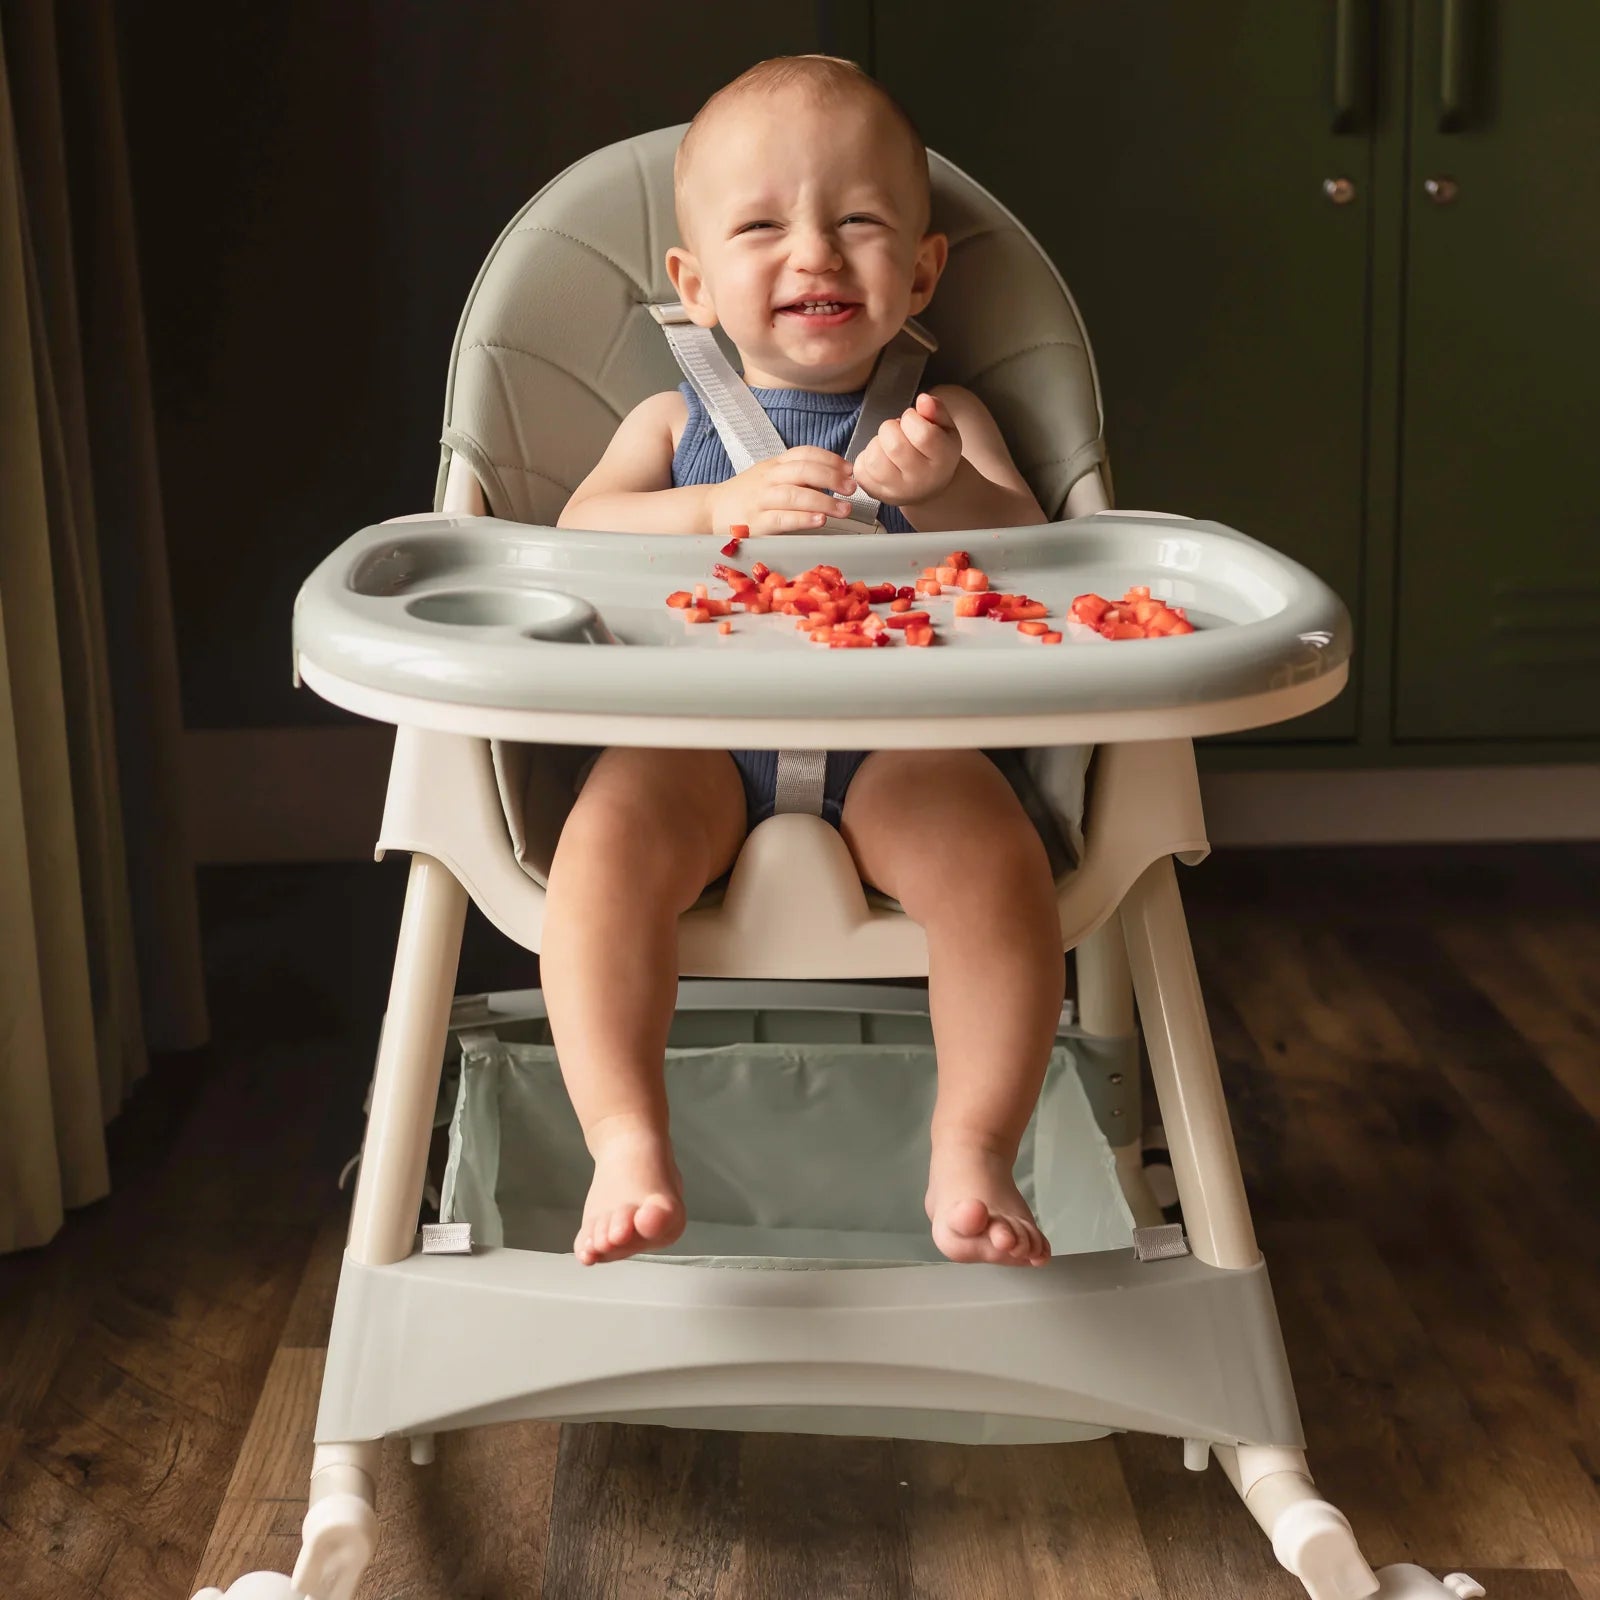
pixel 255 1586
pixel 1406 1582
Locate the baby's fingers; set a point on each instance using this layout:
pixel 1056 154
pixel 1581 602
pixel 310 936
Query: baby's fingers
pixel 935 410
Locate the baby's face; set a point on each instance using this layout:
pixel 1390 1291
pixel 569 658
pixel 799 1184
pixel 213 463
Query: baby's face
pixel 805 238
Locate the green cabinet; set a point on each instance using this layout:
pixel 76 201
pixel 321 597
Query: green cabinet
pixel 1498 632
pixel 1384 380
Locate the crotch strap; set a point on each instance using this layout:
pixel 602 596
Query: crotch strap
pixel 748 436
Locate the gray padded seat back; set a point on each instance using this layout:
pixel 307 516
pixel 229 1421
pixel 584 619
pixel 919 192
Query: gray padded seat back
pixel 555 346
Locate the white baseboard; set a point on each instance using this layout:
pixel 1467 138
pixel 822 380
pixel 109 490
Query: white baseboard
pixel 316 794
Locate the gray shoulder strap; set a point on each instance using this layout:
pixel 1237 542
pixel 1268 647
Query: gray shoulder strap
pixel 746 430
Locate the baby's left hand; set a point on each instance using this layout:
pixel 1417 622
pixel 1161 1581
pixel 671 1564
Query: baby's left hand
pixel 913 457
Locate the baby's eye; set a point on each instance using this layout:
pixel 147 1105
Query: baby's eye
pixel 857 216
pixel 751 227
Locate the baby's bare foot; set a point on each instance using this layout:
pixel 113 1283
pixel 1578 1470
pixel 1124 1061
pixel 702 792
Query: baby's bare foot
pixel 636 1199
pixel 977 1211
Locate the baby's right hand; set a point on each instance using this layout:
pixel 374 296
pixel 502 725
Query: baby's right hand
pixel 792 493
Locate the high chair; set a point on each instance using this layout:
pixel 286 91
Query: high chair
pixel 486 638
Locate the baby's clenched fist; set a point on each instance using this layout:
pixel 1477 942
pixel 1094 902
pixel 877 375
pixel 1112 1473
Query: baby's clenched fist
pixel 914 455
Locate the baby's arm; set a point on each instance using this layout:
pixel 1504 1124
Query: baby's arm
pixel 944 463
pixel 630 490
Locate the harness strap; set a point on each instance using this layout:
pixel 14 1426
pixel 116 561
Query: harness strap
pixel 746 430
pixel 748 436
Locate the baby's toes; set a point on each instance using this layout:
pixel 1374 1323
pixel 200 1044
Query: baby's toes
pixel 653 1218
pixel 968 1218
pixel 620 1227
pixel 1005 1237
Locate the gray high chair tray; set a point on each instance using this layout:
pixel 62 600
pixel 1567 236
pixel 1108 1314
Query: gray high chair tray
pixel 403 620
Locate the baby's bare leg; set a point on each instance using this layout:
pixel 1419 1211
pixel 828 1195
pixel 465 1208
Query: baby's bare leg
pixel 943 833
pixel 649 830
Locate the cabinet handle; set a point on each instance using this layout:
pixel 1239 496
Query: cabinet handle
pixel 1352 73
pixel 1455 66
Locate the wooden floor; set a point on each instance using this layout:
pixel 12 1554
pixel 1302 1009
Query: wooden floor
pixel 1411 1045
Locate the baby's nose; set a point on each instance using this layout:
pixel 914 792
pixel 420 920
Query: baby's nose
pixel 815 249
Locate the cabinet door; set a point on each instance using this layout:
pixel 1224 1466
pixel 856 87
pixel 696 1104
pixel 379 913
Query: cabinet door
pixel 1172 164
pixel 1498 632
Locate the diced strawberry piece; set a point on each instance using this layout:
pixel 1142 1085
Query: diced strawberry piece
pixel 1050 638
pixel 929 586
pixel 880 592
pixel 873 623
pixel 1034 628
pixel 883 636
pixel 1033 608
pixel 919 636
pixel 1163 622
pixel 967 605
pixel 678 597
pixel 905 592
pixel 803 603
pixel 730 574
pixel 724 627
pixel 760 571
pixel 985 603
pixel 696 614
pixel 1183 625
pixel 946 575
pixel 740 530
pixel 1090 608
pixel 959 559
pixel 758 607
pixel 1139 591
pixel 1123 630
pixel 700 591
pixel 717 608
pixel 972 579
pixel 909 619
pixel 731 548
pixel 901 602
pixel 1144 610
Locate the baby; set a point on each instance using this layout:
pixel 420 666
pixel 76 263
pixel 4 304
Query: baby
pixel 803 205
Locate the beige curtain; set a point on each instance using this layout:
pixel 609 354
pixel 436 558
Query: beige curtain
pixel 99 947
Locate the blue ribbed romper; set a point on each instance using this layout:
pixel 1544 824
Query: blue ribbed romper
pixel 801 417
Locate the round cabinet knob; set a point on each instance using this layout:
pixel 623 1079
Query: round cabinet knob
pixel 1339 190
pixel 1442 191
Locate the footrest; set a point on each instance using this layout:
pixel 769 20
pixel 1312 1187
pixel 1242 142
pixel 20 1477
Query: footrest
pixel 1097 1341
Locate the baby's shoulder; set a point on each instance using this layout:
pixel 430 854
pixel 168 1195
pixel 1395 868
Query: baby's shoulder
pixel 959 402
pixel 663 415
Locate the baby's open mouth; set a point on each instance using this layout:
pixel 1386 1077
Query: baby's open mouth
pixel 826 312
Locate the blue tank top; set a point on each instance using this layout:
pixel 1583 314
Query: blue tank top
pixel 799 415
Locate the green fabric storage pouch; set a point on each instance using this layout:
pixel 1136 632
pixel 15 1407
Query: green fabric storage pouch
pixel 794 1154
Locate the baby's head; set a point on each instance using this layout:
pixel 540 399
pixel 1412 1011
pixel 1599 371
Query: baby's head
pixel 802 200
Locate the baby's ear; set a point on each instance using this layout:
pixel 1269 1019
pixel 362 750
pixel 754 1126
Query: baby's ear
pixel 932 253
pixel 687 279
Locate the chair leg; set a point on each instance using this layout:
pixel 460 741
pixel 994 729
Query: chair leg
pixel 340 1530
pixel 1310 1538
pixel 1183 1067
pixel 1105 1011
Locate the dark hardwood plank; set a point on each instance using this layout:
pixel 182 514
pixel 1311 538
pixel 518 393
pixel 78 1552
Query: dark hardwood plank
pixel 639 1513
pixel 822 1516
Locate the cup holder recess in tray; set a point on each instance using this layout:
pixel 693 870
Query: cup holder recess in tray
pixel 545 614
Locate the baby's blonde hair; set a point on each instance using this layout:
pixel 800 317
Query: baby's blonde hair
pixel 825 80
